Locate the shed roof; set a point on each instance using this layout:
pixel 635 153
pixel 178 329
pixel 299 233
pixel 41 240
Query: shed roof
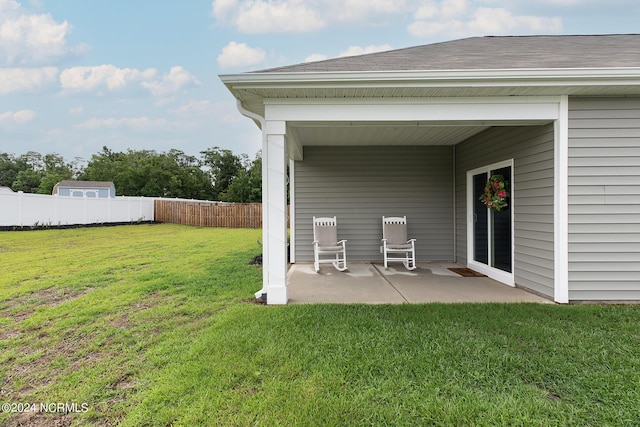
pixel 84 184
pixel 491 53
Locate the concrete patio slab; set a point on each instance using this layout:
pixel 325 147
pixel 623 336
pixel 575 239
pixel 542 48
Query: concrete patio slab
pixel 360 284
pixel 371 284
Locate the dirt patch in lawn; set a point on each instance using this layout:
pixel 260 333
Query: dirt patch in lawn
pixel 38 364
pixel 38 419
pixel 8 334
pixel 52 297
pixel 24 379
pixel 38 361
pixel 40 371
pixel 22 306
pixel 123 321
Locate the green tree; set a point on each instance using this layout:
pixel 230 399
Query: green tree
pixel 247 186
pixel 10 166
pixel 27 180
pixel 55 170
pixel 192 181
pixel 220 175
pixel 32 172
pixel 224 166
pixel 151 174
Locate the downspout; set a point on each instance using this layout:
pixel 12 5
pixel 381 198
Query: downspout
pixel 261 294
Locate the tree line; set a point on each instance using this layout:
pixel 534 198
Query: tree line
pixel 218 174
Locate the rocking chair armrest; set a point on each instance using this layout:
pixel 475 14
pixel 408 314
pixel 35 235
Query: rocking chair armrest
pixel 384 240
pixel 411 240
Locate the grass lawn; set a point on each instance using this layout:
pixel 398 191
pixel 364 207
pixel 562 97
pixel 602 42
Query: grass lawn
pixel 151 325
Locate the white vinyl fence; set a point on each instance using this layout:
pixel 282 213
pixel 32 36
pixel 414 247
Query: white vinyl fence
pixel 25 209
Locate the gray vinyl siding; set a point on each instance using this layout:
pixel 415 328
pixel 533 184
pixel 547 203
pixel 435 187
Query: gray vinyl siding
pixel 361 184
pixel 604 199
pixel 533 187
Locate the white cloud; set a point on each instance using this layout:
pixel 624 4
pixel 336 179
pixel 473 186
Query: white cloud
pixel 171 83
pixel 457 18
pixel 281 16
pixel 444 10
pixel 7 6
pixel 223 8
pixel 268 16
pixel 31 38
pixel 136 123
pixel 240 55
pixel 76 111
pixel 354 10
pixel 316 57
pixel 351 51
pixel 566 2
pixel 14 80
pixel 100 77
pixel 358 50
pixel 287 16
pixel 194 107
pixel 111 78
pixel 197 113
pixel 501 21
pixel 19 117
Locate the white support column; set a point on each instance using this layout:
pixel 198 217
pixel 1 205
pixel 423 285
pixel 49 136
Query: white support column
pixel 274 212
pixel 561 208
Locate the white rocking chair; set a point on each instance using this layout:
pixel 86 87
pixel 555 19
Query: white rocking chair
pixel 394 241
pixel 325 242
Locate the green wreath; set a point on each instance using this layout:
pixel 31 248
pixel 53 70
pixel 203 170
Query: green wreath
pixel 495 193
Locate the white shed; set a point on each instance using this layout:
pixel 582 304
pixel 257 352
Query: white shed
pixel 90 189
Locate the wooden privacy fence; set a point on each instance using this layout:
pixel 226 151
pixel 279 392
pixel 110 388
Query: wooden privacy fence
pixel 209 214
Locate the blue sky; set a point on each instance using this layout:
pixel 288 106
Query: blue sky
pixel 77 75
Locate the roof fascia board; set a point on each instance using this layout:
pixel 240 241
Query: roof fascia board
pixel 273 80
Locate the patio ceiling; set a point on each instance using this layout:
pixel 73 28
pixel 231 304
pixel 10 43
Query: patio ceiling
pixel 390 133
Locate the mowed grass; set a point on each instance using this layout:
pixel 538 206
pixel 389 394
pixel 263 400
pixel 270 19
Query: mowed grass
pixel 151 325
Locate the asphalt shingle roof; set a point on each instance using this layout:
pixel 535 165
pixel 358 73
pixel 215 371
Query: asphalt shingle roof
pixel 488 53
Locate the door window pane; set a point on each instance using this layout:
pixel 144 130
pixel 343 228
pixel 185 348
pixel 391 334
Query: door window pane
pixel 501 228
pixel 480 221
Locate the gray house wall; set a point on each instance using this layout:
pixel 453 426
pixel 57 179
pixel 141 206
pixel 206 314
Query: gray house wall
pixel 531 147
pixel 360 184
pixel 604 199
